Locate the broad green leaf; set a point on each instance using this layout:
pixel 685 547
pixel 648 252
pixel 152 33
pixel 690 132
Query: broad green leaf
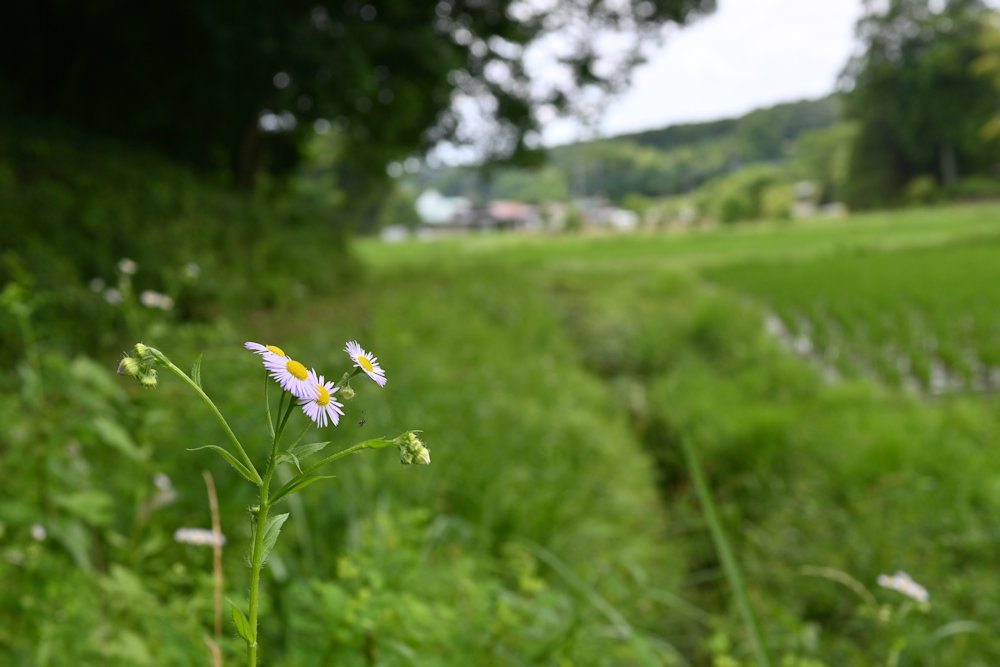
pixel 196 371
pixel 271 531
pixel 297 484
pixel 242 625
pixel 240 468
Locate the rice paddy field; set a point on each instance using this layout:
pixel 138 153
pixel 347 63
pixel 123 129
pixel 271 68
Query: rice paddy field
pixel 837 379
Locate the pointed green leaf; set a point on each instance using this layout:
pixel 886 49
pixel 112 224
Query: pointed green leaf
pixel 284 457
pixel 296 485
pixel 271 531
pixel 302 451
pixel 196 371
pixel 240 468
pixel 242 625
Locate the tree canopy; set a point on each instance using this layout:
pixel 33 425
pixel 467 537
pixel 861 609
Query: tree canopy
pixel 918 104
pixel 240 85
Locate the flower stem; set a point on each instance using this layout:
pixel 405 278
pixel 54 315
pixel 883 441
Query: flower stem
pixel 256 563
pixel 257 554
pixel 162 358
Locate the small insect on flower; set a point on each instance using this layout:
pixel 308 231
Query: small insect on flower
pixel 321 407
pixel 366 362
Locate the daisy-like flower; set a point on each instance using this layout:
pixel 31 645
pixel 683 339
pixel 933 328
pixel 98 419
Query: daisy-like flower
pixel 265 351
pixel 321 407
pixel 290 374
pixel 366 362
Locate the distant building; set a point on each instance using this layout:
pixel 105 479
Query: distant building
pixel 506 214
pixel 435 209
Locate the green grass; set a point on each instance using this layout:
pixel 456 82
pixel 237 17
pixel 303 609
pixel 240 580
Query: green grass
pixel 894 315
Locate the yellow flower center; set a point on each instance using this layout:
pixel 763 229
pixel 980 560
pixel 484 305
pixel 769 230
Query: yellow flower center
pixel 323 397
pixel 297 369
pixel 277 350
pixel 365 364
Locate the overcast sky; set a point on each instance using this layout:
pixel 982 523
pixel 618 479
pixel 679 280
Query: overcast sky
pixel 747 54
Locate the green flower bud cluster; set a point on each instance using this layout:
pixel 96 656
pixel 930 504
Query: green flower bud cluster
pixel 141 366
pixel 412 449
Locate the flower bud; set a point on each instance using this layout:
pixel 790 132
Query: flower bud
pixel 141 350
pixel 148 379
pixel 412 450
pixel 128 366
pixel 346 393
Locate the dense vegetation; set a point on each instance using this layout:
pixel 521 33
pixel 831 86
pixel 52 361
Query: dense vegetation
pixel 837 379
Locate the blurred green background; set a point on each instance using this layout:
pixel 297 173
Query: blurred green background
pixel 807 294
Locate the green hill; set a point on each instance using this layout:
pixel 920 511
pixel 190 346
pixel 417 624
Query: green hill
pixel 654 163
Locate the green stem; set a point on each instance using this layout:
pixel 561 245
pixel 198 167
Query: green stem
pixel 725 553
pixel 375 443
pixel 256 557
pixel 255 567
pixel 218 415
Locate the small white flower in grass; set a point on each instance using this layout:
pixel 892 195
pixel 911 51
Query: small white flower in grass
pixel 127 266
pixel 198 537
pixel 114 296
pixel 366 362
pixel 902 583
pixel 321 407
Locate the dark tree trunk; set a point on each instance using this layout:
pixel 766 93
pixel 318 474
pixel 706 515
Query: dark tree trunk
pixel 249 155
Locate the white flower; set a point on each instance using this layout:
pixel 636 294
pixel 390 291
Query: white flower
pixel 366 362
pixel 38 532
pixel 127 266
pixel 152 299
pixel 290 374
pixel 113 296
pixel 902 583
pixel 321 407
pixel 198 537
pixel 265 351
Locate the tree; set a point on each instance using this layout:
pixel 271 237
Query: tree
pixel 988 65
pixel 917 104
pixel 239 84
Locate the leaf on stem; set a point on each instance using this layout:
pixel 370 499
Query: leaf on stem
pixel 240 468
pixel 284 457
pixel 242 625
pixel 271 531
pixel 302 451
pixel 196 371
